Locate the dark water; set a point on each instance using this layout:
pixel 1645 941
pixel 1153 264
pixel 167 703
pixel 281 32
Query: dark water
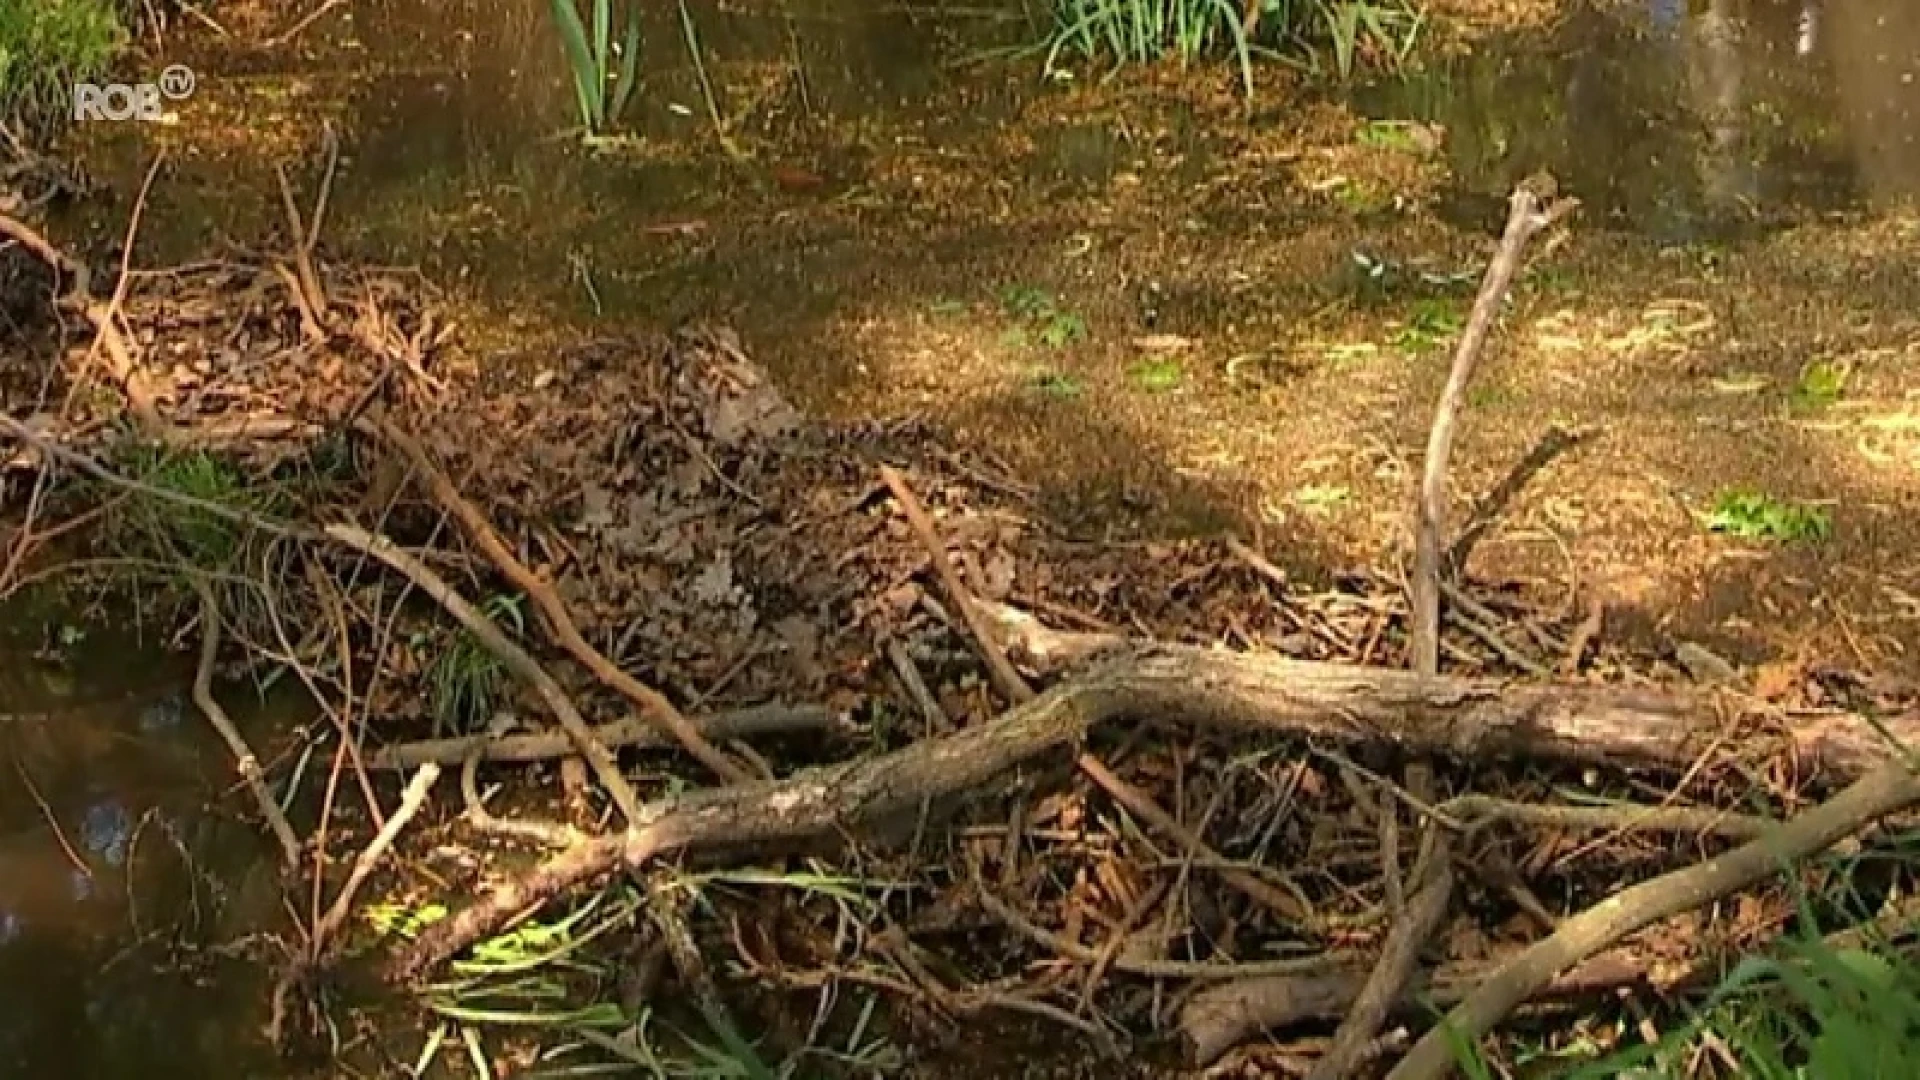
pixel 127 893
pixel 1671 118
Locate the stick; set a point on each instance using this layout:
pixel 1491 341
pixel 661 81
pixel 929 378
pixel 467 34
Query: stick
pixel 1554 442
pixel 1888 789
pixel 652 704
pixel 249 765
pixel 909 673
pixel 1524 219
pixel 1004 676
pixel 1387 983
pixel 632 733
pixel 1261 892
pixel 411 800
pixel 510 655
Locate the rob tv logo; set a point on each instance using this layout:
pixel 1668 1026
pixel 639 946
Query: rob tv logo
pixel 132 101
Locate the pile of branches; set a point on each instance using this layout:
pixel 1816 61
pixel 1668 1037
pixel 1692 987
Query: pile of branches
pixel 726 553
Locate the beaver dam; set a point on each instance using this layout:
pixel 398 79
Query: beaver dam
pixel 834 540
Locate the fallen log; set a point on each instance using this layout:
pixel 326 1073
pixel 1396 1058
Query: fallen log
pixel 1267 695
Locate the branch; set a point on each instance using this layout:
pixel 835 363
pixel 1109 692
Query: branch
pixel 1004 676
pixel 512 656
pixel 1886 790
pixel 651 703
pixel 249 765
pixel 631 733
pixel 1396 967
pixel 1260 695
pixel 1524 218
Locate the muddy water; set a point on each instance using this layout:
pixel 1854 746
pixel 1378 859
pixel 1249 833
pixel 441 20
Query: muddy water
pixel 121 873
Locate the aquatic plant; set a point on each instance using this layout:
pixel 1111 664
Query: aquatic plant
pixel 601 91
pixel 48 45
pixel 1145 31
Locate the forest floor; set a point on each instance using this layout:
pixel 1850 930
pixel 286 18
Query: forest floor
pixel 1157 372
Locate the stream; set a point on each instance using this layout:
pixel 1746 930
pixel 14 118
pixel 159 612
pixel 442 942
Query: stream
pixel 129 885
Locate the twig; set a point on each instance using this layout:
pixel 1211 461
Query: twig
pixel 1475 619
pixel 1004 676
pixel 306 281
pixel 550 834
pixel 1556 441
pixel 652 704
pixel 411 800
pixel 1584 635
pixel 300 27
pixel 1316 964
pixel 510 655
pixel 1886 790
pixel 1257 562
pixel 1289 908
pixel 93 468
pixel 1479 810
pixel 903 666
pixel 248 764
pixel 1524 218
pixel 631 733
pixel 1385 985
pixel 53 821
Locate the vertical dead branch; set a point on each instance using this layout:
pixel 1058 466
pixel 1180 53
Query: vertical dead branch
pixel 1525 218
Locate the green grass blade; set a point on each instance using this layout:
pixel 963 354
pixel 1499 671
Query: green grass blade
pixel 573 38
pixel 624 86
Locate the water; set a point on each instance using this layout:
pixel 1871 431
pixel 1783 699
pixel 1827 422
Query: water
pixel 1669 122
pixel 121 872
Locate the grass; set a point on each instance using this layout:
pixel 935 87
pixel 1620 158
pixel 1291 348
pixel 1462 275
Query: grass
pixel 548 981
pixel 1820 384
pixel 1056 384
pixel 1158 374
pixel 1337 35
pixel 48 45
pixel 1752 515
pixel 601 89
pixel 1431 322
pixel 187 536
pixel 465 678
pixel 1038 317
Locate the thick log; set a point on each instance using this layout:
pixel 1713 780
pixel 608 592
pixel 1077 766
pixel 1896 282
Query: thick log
pixel 1262 695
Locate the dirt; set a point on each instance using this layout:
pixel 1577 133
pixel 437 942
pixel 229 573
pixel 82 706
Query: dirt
pixel 864 253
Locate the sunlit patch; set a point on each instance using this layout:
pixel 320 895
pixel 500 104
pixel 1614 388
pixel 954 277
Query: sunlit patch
pixel 1892 439
pixel 1665 326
